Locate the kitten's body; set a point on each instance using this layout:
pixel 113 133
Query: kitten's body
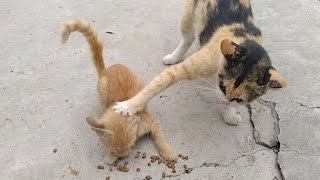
pixel 118 83
pixel 231 52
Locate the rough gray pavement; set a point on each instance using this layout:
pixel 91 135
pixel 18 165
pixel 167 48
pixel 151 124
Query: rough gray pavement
pixel 47 90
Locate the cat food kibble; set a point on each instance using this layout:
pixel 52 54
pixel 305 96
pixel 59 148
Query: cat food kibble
pixel 163 174
pixel 185 166
pixel 159 161
pixel 152 160
pixel 126 163
pixel 149 164
pixel 180 155
pixel 186 157
pixel 100 167
pixel 136 156
pixel 108 178
pixel 138 169
pixel 54 150
pixel 110 168
pixel 144 155
pixel 148 177
pixel 174 171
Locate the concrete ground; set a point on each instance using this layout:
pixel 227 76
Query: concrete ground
pixel 47 90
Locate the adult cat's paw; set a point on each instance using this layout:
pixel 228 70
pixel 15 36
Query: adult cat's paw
pixel 168 154
pixel 231 116
pixel 170 59
pixel 123 109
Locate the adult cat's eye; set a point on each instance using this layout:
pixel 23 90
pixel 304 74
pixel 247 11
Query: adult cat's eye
pixel 236 99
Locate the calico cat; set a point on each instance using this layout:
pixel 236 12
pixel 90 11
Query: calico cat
pixel 118 83
pixel 231 52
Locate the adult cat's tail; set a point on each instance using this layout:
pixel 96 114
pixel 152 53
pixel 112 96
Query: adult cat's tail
pixel 96 45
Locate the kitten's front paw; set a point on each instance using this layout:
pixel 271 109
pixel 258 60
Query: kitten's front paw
pixel 170 59
pixel 168 154
pixel 123 109
pixel 110 159
pixel 231 116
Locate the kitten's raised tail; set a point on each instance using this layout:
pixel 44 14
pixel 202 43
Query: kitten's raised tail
pixel 96 45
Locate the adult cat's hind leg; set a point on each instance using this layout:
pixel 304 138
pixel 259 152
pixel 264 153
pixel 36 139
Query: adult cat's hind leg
pixel 188 35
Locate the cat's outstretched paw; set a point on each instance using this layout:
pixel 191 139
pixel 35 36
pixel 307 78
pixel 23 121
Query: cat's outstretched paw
pixel 168 154
pixel 170 59
pixel 123 109
pixel 231 116
pixel 110 159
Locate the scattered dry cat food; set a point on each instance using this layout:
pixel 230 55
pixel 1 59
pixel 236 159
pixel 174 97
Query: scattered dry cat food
pixel 152 160
pixel 74 171
pixel 126 163
pixel 123 168
pixel 115 164
pixel 148 177
pixel 185 166
pixel 163 174
pixel 180 155
pixel 54 150
pixel 108 178
pixel 138 169
pixel 100 167
pixel 159 161
pixel 144 155
pixel 174 171
pixel 110 168
pixel 149 164
pixel 136 156
pixel 188 171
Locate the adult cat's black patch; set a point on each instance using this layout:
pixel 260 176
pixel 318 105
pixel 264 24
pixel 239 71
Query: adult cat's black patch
pixel 249 29
pixel 221 15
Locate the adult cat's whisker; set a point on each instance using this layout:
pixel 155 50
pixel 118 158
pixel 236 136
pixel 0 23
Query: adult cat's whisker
pixel 210 83
pixel 205 88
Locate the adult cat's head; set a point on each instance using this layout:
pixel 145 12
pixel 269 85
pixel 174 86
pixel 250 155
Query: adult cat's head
pixel 118 133
pixel 247 73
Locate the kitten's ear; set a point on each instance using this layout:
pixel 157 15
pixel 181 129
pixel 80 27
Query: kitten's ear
pixel 97 126
pixel 276 80
pixel 231 50
pixel 94 122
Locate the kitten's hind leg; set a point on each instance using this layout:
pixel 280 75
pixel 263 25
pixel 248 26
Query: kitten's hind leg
pixel 165 150
pixel 188 35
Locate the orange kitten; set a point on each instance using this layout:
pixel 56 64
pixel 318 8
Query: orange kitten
pixel 118 83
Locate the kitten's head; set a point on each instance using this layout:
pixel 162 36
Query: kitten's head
pixel 248 72
pixel 118 133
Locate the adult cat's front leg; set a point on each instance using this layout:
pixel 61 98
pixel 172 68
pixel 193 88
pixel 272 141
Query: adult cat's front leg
pixel 198 65
pixel 231 116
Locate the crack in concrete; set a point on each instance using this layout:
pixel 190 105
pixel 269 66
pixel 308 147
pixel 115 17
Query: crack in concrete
pixel 218 163
pixel 297 152
pixel 275 115
pixel 310 107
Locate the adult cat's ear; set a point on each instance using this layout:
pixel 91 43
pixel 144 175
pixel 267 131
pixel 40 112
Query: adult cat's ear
pixel 231 50
pixel 276 80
